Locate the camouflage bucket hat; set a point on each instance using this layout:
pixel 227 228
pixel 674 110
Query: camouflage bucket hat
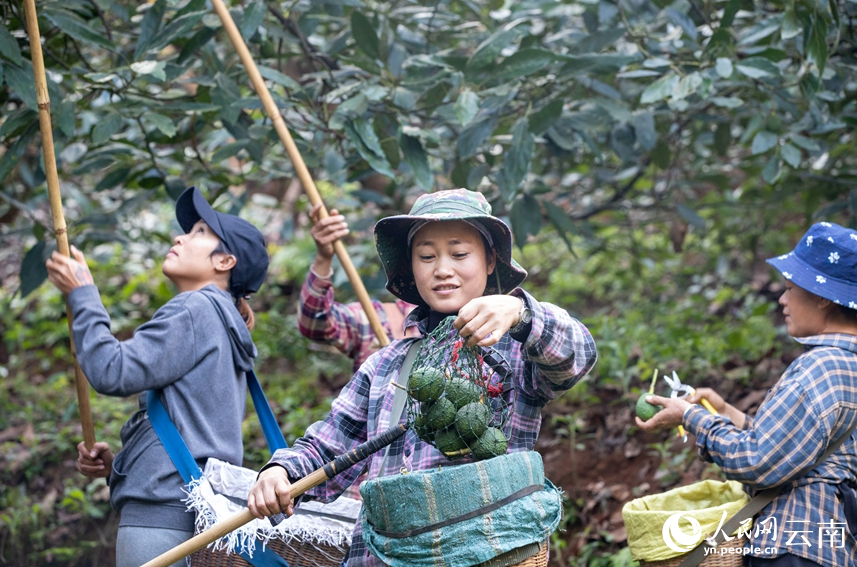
pixel 391 240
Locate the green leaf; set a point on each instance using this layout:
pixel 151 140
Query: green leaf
pixel 516 161
pixel 194 44
pixel 9 47
pixel 416 157
pixel 687 86
pixel 162 123
pixel 660 89
pixel 542 119
pixel 729 13
pixel 561 221
pixel 488 50
pixel 33 269
pixel 727 102
pixel 791 155
pixel 808 144
pixel 113 178
pixel 763 141
pixel 758 67
pixel 364 34
pixel 523 63
pixel 253 16
pixel 466 107
pixel 690 216
pixel 279 78
pixel 153 68
pixel 525 218
pixel 73 25
pixel 224 96
pixel 22 82
pixel 149 26
pixel 14 153
pixel 724 67
pixel 65 118
pixel 474 134
pixel 363 136
pixel 661 155
pixel 595 42
pixel 791 26
pixel 722 138
pixel 683 21
pixel 228 150
pixel 106 128
pixel 17 121
pixel 644 130
pixel 816 42
pixel 772 170
pixel 177 28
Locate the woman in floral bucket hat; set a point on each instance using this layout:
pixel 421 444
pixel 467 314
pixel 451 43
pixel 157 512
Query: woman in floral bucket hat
pixel 448 256
pixel 814 520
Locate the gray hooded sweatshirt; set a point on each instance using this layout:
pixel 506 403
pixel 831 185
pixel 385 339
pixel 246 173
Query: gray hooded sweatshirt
pixel 195 350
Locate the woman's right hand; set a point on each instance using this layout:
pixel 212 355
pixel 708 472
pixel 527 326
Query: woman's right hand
pixel 715 399
pixel 94 463
pixel 326 231
pixel 271 494
pixel 719 404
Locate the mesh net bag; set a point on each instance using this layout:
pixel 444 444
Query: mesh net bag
pixel 457 396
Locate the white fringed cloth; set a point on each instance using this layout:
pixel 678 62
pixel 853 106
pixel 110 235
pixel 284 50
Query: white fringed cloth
pixel 222 492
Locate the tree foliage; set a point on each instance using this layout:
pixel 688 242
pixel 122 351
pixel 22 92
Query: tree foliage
pixel 561 112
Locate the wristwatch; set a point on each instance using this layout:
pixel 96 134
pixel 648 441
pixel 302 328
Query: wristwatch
pixel 526 317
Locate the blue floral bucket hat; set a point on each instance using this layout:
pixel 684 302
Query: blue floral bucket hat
pixel 392 240
pixel 824 262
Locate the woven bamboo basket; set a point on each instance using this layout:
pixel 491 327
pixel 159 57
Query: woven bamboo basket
pixel 537 559
pixel 297 554
pixel 713 560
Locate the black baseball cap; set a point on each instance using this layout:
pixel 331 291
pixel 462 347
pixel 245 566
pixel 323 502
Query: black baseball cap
pixel 242 239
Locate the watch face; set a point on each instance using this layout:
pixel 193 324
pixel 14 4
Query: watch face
pixel 526 315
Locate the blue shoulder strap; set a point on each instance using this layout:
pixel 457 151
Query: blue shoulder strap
pixel 171 439
pixel 273 435
pixel 184 462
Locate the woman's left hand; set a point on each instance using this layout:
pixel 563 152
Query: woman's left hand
pixel 483 321
pixel 67 274
pixel 670 416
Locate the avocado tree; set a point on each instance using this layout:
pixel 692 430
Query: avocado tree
pixel 576 115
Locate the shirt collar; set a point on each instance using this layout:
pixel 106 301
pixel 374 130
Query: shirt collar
pixel 839 340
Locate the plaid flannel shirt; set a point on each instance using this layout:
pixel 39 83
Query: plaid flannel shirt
pixel 342 325
pixel 812 405
pixel 558 352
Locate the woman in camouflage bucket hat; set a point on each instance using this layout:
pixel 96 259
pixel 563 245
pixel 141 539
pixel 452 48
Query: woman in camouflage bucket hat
pixel 450 256
pixel 457 204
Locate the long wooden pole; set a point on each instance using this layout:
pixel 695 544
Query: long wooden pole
pixel 60 230
pixel 312 480
pixel 300 167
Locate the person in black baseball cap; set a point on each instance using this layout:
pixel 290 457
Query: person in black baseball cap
pixel 191 358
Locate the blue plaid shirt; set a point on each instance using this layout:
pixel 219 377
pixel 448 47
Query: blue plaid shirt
pixel 558 352
pixel 811 405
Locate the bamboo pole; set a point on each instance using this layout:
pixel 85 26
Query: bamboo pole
pixel 81 384
pixel 300 167
pixel 232 523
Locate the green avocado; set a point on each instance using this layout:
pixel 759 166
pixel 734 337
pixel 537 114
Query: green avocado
pixel 449 441
pixel 426 384
pixel 472 420
pixel 492 443
pixel 441 414
pixel 645 410
pixel 462 392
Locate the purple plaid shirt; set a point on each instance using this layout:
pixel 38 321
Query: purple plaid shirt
pixel 812 404
pixel 557 353
pixel 342 325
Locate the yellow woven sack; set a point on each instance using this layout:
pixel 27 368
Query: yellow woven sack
pixel 704 501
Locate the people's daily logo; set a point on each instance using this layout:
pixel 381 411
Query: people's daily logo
pixel 676 538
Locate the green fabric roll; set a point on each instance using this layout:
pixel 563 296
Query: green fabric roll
pixel 405 502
